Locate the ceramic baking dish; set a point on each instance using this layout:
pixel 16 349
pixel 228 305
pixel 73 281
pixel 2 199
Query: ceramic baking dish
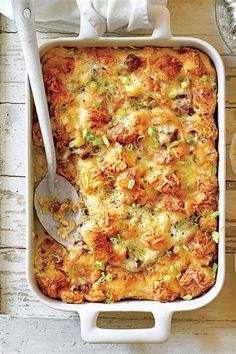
pixel 162 312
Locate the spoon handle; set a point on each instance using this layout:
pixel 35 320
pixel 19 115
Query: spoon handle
pixel 24 17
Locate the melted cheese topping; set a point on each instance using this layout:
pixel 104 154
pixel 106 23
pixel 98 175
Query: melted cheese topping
pixel 134 132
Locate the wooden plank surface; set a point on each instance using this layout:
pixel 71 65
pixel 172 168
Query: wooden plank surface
pixel 35 336
pixel 27 326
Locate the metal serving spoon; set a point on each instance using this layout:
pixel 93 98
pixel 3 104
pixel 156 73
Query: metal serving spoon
pixel 52 185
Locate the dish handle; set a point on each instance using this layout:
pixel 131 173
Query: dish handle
pixel 162 23
pixel 159 333
pixel 161 29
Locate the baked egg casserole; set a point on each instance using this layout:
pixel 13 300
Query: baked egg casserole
pixel 134 132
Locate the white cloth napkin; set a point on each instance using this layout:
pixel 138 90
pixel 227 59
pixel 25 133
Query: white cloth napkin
pixel 99 16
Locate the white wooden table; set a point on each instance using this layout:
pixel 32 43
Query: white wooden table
pixel 26 326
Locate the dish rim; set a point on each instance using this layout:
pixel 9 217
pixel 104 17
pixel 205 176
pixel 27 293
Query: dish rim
pixel 134 305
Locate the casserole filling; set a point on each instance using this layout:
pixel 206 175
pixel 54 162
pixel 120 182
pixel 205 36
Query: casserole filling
pixel 134 132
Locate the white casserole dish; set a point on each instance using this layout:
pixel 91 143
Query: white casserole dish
pixel 162 312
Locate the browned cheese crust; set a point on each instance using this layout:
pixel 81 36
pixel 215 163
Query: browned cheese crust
pixel 134 131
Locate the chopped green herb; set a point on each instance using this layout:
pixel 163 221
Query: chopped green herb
pixel 89 248
pixel 108 277
pixel 208 134
pixel 85 133
pixel 109 88
pixel 140 137
pixel 191 184
pixel 98 104
pixel 149 268
pixel 101 90
pixel 172 268
pixel 115 240
pixel 90 137
pixel 203 79
pixel 130 247
pixel 99 265
pixel 76 143
pixel 214 269
pixel 110 124
pixel 105 140
pixel 92 84
pixel 215 236
pixel 155 144
pixel 197 216
pixel 189 139
pixel 149 100
pixel 139 256
pixel 129 147
pixel 168 253
pixel 173 93
pixel 56 258
pixel 146 101
pixel 184 118
pixel 195 225
pixel 152 103
pixel 105 277
pixel 135 206
pixel 214 214
pixel 97 141
pixel 71 53
pixel 125 80
pixel 174 143
pixel 99 158
pixel 176 249
pixel 131 183
pixel 132 293
pixel 121 112
pixel 178 276
pixel 71 86
pixel 151 131
pixel 189 173
pixel 167 278
pixel 88 174
pixel 180 224
pixel 100 82
pixel 187 297
pixel 185 248
pixel 184 84
pixel 156 283
pixel 149 217
pixel 150 95
pixel 183 162
pixel 213 170
pixel 214 86
pixel 157 210
pixel 109 298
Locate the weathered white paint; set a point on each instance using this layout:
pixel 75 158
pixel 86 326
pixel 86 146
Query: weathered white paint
pixel 12 206
pixel 39 329
pixel 12 137
pixel 48 336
